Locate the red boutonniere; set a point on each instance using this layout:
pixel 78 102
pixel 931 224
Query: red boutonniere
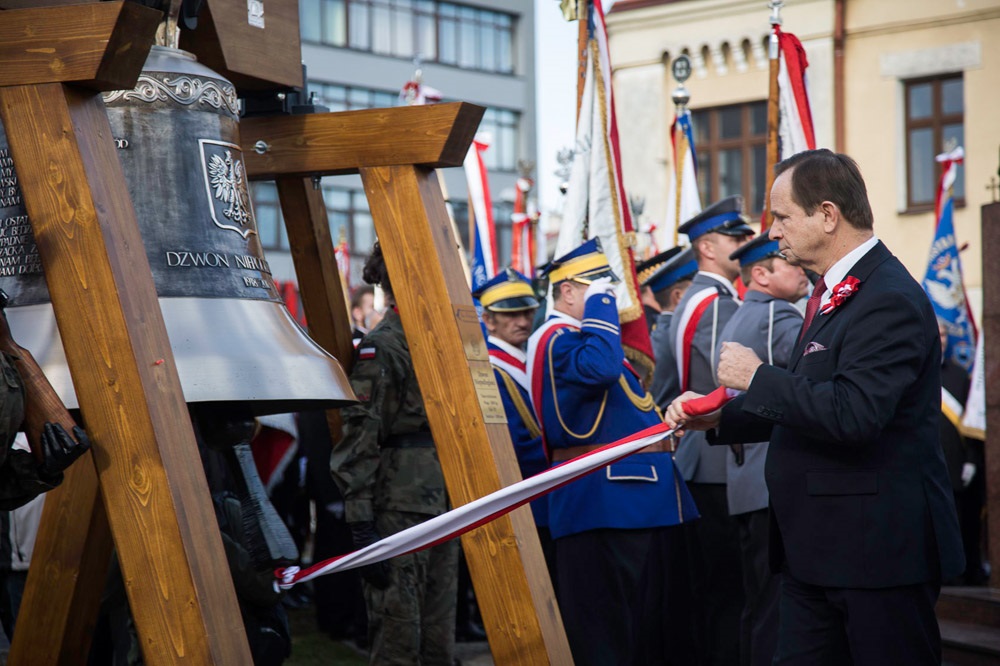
pixel 841 293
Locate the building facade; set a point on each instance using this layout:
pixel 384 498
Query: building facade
pixel 891 83
pixel 359 54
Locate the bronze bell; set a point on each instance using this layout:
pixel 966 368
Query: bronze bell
pixel 234 341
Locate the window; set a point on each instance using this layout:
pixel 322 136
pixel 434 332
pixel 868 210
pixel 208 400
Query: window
pixel 731 145
pixel 443 32
pixel 346 98
pixel 502 125
pixel 934 124
pixel 270 223
pixel 346 208
pixel 502 210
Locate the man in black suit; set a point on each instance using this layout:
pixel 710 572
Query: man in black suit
pixel 863 522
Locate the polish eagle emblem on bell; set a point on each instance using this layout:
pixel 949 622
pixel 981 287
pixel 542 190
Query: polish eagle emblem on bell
pixel 226 187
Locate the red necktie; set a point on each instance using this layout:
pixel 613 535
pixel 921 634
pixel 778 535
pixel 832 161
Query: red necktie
pixel 812 306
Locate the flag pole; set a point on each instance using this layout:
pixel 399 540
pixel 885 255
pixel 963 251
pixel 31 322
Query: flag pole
pixel 582 40
pixel 681 70
pixel 773 52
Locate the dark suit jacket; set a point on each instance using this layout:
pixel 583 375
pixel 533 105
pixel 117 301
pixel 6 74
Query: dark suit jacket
pixel 859 489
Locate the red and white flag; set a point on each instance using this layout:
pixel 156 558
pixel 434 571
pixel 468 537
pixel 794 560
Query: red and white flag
pixel 484 257
pixel 596 199
pixel 415 93
pixel 523 240
pixel 343 256
pixel 796 125
pixel 683 200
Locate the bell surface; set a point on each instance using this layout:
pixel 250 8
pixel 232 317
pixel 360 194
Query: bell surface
pixel 233 339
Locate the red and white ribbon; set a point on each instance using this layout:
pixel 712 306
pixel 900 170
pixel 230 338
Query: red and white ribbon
pixel 469 516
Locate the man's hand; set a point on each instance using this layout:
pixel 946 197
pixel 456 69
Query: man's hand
pixel 600 286
pixel 737 365
pixel 676 416
pixel 364 534
pixel 60 449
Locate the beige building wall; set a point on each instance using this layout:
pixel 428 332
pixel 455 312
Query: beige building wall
pixel 887 42
pixel 887 45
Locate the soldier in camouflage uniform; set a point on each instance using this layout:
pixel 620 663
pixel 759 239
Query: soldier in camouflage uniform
pixel 387 468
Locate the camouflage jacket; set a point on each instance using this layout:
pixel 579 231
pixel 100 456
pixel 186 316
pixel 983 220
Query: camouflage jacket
pixel 371 475
pixel 19 476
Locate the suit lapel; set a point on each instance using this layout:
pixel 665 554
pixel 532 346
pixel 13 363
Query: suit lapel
pixel 862 271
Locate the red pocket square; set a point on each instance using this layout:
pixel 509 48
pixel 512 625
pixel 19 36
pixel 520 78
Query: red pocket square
pixel 813 347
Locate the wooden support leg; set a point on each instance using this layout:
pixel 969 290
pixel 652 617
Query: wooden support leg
pixel 465 412
pixel 69 567
pixel 152 482
pixel 320 286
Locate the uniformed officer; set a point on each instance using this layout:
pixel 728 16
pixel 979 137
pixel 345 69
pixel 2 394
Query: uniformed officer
pixel 509 305
pixel 668 284
pixel 643 269
pixel 710 301
pixel 768 323
pixel 387 469
pixel 586 395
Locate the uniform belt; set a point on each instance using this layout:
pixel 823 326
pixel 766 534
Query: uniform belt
pixel 410 440
pixel 561 455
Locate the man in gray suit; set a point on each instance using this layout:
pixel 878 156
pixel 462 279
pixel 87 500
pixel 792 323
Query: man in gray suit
pixel 701 315
pixel 769 324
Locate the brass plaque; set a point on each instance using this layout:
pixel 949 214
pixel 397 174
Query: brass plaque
pixel 478 358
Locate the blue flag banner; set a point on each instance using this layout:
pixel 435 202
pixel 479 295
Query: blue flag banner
pixel 943 281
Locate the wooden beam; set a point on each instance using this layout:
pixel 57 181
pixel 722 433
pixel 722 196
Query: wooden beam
pixel 154 489
pixel 323 144
pixel 100 46
pixel 72 555
pixel 320 286
pixel 990 219
pixel 315 260
pixel 465 411
pixel 264 56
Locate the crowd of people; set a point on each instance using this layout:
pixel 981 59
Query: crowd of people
pixel 810 520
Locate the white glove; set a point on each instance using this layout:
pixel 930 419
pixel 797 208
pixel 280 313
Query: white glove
pixel 968 471
pixel 600 286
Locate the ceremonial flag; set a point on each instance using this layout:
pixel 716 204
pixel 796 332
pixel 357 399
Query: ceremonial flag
pixel 343 257
pixel 974 416
pixel 523 241
pixel 274 447
pixel 683 201
pixel 796 125
pixel 484 257
pixel 943 281
pixel 596 204
pixel 788 106
pixel 415 93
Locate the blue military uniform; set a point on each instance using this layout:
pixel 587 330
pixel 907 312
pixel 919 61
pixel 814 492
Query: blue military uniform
pixel 510 291
pixel 770 327
pixel 605 524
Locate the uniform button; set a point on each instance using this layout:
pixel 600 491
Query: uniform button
pixel 606 300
